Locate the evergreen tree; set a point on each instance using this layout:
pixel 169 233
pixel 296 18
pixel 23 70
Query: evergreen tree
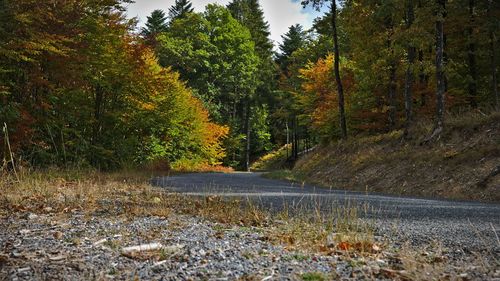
pixel 250 14
pixel 292 41
pixel 156 24
pixel 180 9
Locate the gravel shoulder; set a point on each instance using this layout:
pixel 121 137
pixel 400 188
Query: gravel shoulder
pixel 116 227
pixel 78 247
pixel 459 225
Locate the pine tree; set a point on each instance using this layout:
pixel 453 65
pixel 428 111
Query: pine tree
pixel 180 9
pixel 250 15
pixel 156 24
pixel 292 41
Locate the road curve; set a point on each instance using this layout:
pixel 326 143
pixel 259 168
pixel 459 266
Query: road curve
pixel 460 226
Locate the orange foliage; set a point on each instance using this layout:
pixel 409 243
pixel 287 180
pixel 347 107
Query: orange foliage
pixel 319 98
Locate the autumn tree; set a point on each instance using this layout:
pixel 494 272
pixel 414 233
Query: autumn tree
pixel 215 54
pixel 340 90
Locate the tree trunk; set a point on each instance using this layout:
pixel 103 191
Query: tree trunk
pixel 409 73
pixel 295 140
pixel 392 96
pixel 391 93
pixel 493 58
pixel 423 79
pixel 440 76
pixel 98 110
pixel 340 90
pixel 494 70
pixel 471 55
pixel 248 131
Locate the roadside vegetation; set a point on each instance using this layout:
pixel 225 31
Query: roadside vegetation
pixel 462 164
pixel 304 235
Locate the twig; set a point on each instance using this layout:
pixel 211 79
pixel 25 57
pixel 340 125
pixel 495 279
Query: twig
pixel 6 133
pixel 496 234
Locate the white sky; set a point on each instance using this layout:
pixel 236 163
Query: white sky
pixel 280 14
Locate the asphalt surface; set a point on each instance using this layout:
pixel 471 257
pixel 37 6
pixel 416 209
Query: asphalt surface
pixel 458 226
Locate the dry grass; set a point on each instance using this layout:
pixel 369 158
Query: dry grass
pixel 273 161
pixel 128 194
pixel 451 167
pixel 338 232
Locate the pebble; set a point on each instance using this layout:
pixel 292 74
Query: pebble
pixel 192 252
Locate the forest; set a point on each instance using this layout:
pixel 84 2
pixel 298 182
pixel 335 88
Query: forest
pixel 81 85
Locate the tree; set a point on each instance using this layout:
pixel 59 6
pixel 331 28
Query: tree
pixel 493 24
pixel 292 41
pixel 79 88
pixel 411 53
pixel 156 24
pixel 250 15
pixel 471 55
pixel 180 9
pixel 340 91
pixel 215 54
pixel 440 76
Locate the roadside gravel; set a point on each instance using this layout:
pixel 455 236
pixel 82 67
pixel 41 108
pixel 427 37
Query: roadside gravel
pixel 75 246
pixel 461 226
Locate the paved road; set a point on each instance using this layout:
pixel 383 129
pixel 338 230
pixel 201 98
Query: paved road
pixel 458 225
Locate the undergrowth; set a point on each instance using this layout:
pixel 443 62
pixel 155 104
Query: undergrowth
pixel 460 164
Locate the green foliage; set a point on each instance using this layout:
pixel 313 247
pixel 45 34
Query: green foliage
pixel 156 24
pixel 215 54
pixel 180 9
pixel 78 89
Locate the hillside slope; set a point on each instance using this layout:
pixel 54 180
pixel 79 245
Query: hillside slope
pixel 463 164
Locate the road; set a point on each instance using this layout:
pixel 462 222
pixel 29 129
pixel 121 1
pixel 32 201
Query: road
pixel 459 226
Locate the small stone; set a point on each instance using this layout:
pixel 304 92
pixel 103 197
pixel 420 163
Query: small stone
pixel 23 269
pixel 47 209
pixel 31 216
pixel 57 258
pixel 16 255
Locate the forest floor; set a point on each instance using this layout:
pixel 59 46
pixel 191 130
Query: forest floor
pixel 463 164
pixel 60 226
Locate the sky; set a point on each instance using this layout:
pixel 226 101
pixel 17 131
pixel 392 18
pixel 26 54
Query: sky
pixel 280 14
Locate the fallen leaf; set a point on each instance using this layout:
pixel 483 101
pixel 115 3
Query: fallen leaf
pixel 344 246
pixel 57 235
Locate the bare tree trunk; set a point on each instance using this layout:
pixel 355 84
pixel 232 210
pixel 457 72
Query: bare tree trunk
pixel 98 110
pixel 295 148
pixel 248 131
pixel 340 90
pixel 494 70
pixel 440 76
pixel 493 58
pixel 471 55
pixel 423 79
pixel 410 18
pixel 392 96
